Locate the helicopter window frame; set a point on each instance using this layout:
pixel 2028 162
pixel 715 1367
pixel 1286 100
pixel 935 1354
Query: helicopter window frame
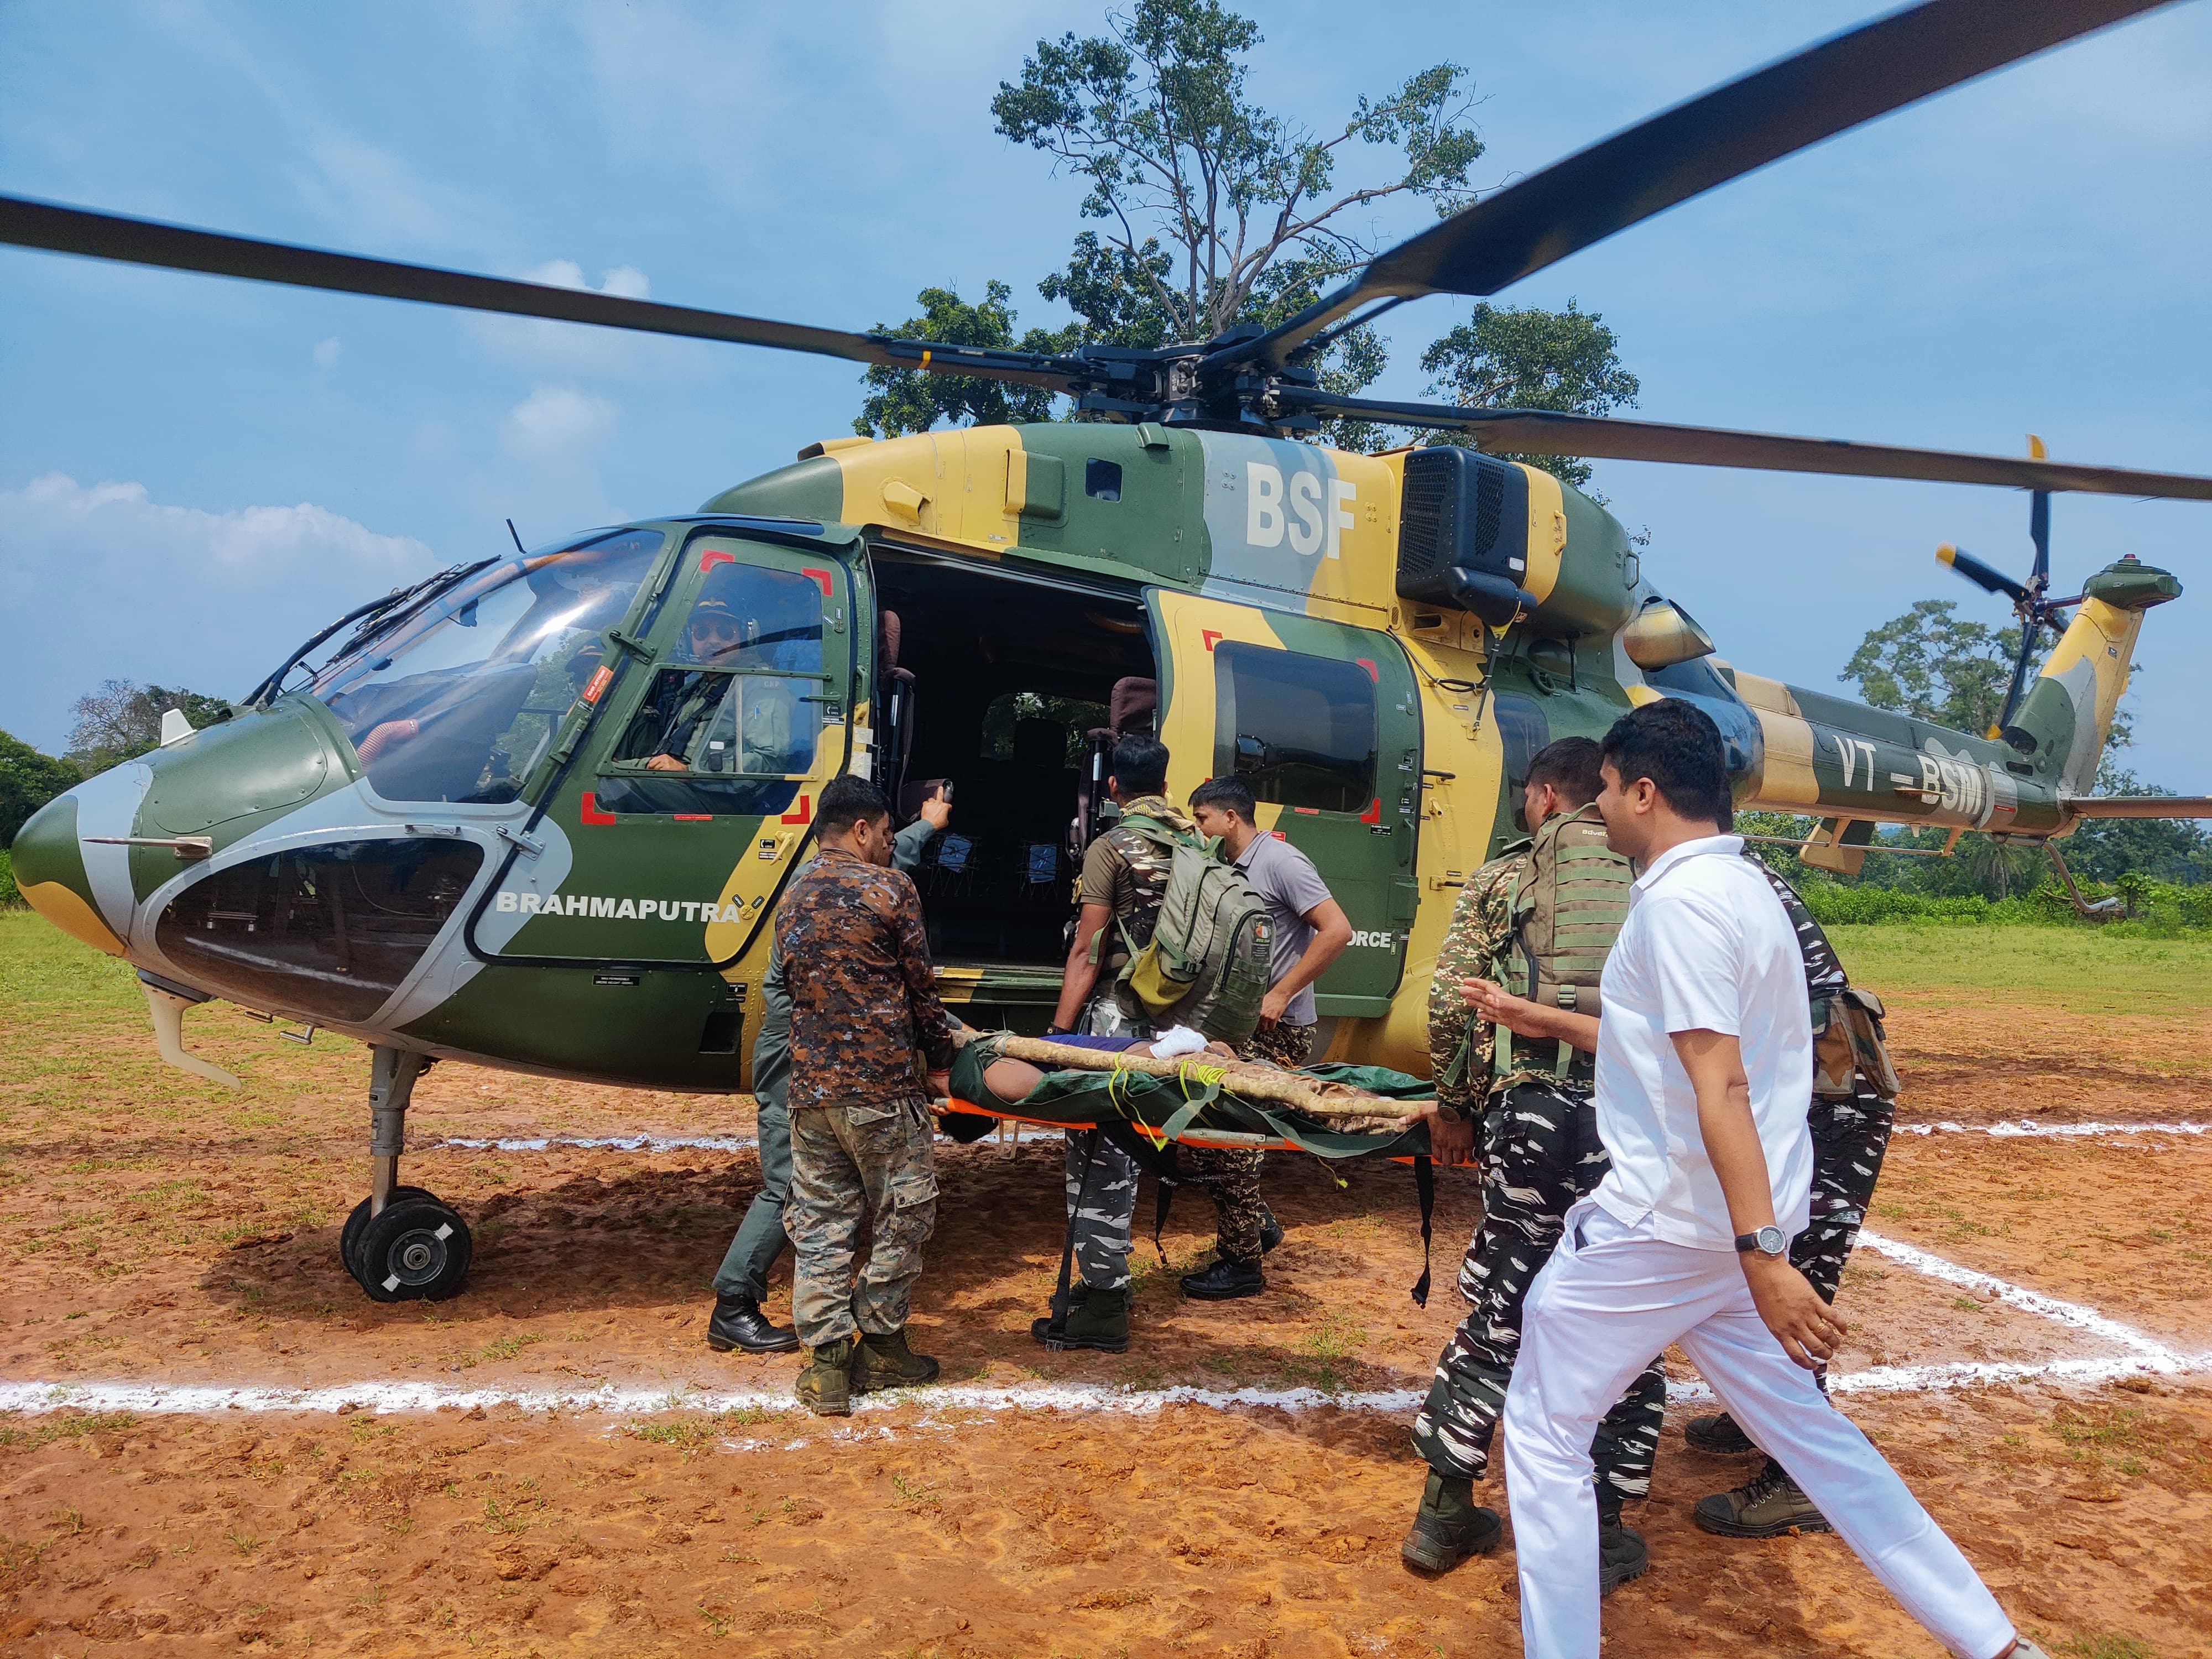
pixel 1273 692
pixel 761 581
pixel 367 699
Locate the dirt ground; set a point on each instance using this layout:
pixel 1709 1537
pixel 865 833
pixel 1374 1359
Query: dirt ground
pixel 155 1230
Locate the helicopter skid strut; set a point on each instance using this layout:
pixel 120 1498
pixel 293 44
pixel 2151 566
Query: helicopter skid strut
pixel 401 1243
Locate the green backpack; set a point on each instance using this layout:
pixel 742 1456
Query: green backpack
pixel 1567 907
pixel 1211 953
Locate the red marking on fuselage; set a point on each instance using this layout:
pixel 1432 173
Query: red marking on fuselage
pixel 1210 637
pixel 823 577
pixel 1374 812
pixel 590 813
pixel 714 556
pixel 802 812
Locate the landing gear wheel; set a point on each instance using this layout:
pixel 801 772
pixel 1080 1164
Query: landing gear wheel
pixel 349 1239
pixel 412 1251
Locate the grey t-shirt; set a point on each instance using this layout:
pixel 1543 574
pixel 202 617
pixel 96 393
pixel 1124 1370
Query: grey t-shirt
pixel 1286 879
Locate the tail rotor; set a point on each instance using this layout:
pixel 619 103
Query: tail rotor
pixel 2035 613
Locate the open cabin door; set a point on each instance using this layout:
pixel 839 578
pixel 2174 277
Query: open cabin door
pixel 1320 721
pixel 690 799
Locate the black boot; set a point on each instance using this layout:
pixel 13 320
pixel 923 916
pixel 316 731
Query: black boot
pixel 1270 1231
pixel 739 1324
pixel 1450 1526
pixel 1225 1281
pixel 1095 1319
pixel 1718 1434
pixel 1622 1553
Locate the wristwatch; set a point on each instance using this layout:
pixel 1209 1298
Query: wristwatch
pixel 1767 1241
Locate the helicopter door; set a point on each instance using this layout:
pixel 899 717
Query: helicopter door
pixel 1320 719
pixel 700 781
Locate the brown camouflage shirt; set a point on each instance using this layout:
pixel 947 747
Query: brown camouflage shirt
pixel 1128 875
pixel 864 1004
pixel 1479 923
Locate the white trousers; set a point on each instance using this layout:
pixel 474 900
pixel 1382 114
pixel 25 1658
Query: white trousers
pixel 1611 1297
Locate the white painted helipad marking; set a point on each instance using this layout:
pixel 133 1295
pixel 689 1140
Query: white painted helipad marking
pixel 2154 1355
pixel 2028 1129
pixel 639 1142
pixel 159 1399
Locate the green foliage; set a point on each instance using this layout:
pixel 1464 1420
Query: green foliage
pixel 914 400
pixel 1213 212
pixel 1520 358
pixel 28 780
pixel 1200 189
pixel 122 721
pixel 2174 850
pixel 1931 664
pixel 10 894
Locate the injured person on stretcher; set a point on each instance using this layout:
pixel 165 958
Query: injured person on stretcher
pixel 1012 1079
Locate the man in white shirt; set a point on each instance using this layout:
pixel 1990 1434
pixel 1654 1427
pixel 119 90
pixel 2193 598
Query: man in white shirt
pixel 1705 1069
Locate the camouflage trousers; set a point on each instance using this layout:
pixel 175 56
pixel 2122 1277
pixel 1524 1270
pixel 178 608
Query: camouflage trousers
pixel 1230 1175
pixel 1540 1154
pixel 1102 1198
pixel 854 1165
pixel 1848 1138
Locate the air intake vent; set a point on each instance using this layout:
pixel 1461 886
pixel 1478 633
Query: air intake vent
pixel 1463 516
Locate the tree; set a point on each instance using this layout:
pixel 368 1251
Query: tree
pixel 1520 357
pixel 910 400
pixel 1932 665
pixel 123 720
pixel 1154 116
pixel 2161 850
pixel 28 780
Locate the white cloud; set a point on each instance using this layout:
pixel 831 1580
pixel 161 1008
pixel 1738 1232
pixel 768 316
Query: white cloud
pixel 557 425
pixel 91 527
pixel 326 351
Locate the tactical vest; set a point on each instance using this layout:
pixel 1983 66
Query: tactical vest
pixel 1567 907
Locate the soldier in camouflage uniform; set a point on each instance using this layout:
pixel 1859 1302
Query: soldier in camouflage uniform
pixel 1540 1153
pixel 741 1284
pixel 864 1016
pixel 1854 1107
pixel 1125 878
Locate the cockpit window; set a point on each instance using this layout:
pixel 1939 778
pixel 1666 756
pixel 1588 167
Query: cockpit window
pixel 459 704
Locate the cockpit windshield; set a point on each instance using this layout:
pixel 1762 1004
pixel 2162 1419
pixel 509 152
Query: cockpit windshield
pixel 458 703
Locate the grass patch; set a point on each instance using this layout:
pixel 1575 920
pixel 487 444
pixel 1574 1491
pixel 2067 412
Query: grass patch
pixel 70 1427
pixel 2083 971
pixel 505 1347
pixel 1325 1354
pixel 690 1435
pixel 2105 1647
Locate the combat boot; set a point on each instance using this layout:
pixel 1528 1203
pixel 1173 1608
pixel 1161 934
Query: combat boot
pixel 1718 1434
pixel 1769 1507
pixel 1224 1280
pixel 826 1385
pixel 1450 1526
pixel 1095 1319
pixel 1270 1231
pixel 1622 1554
pixel 886 1362
pixel 737 1322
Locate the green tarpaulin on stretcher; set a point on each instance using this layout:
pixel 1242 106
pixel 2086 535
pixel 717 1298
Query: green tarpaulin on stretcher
pixel 1186 1107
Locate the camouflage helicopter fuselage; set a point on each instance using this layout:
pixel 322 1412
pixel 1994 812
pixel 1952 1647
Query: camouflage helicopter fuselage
pixel 565 914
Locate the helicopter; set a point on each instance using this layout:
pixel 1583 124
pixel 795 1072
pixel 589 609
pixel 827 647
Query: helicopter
pixel 535 811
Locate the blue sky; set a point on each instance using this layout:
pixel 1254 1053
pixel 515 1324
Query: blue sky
pixel 194 474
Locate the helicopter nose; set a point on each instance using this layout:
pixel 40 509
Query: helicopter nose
pixel 50 872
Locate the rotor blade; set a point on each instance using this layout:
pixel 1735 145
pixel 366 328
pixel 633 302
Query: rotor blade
pixel 2039 532
pixel 1723 134
pixel 1541 432
pixel 60 229
pixel 1988 578
pixel 2139 806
